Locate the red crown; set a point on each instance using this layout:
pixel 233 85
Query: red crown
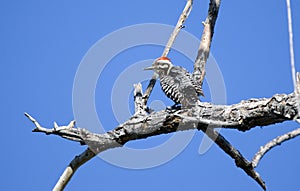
pixel 164 58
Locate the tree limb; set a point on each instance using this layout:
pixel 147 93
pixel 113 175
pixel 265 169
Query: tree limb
pixel 72 167
pixel 242 116
pixel 67 132
pixel 207 35
pixel 205 116
pixel 139 104
pixel 275 142
pixel 184 15
pixel 240 161
pixel 290 29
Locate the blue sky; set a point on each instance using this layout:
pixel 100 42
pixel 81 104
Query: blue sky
pixel 43 44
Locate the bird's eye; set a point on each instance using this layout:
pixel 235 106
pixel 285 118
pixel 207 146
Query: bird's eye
pixel 164 66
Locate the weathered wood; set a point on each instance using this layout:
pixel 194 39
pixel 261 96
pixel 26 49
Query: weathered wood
pixel 205 116
pixel 206 39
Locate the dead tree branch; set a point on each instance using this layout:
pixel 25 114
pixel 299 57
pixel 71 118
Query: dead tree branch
pixel 240 161
pixel 290 29
pixel 139 104
pixel 275 142
pixel 71 169
pixel 71 133
pixel 242 116
pixel 184 15
pixel 207 35
pixel 67 132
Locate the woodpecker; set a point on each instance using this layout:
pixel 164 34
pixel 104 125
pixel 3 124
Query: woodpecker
pixel 176 82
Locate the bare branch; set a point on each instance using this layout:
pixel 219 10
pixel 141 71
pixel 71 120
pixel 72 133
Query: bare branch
pixel 275 142
pixel 240 161
pixel 38 127
pixel 71 169
pixel 139 104
pixel 290 29
pixel 68 132
pixel 184 15
pixel 242 116
pixel 207 35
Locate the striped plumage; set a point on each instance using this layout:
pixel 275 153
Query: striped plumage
pixel 176 82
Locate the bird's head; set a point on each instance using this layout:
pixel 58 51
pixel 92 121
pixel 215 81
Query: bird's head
pixel 161 65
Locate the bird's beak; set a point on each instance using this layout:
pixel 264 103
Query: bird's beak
pixel 149 68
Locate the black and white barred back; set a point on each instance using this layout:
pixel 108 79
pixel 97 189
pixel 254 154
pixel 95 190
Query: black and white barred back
pixel 177 83
pixel 180 87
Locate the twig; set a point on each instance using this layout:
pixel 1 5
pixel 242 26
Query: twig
pixel 38 127
pixel 290 28
pixel 240 161
pixel 207 35
pixel 185 13
pixel 68 132
pixel 275 142
pixel 71 133
pixel 295 76
pixel 71 169
pixel 139 105
pixel 296 82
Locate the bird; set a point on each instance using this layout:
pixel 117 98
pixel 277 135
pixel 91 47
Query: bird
pixel 176 82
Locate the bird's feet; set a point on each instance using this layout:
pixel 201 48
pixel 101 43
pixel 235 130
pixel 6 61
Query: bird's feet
pixel 175 106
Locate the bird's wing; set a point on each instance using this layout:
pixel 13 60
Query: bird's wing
pixel 188 94
pixel 170 87
pixel 196 84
